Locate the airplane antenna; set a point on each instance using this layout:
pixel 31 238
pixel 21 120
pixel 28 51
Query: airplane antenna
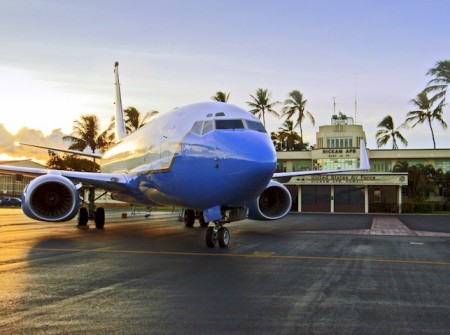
pixel 120 130
pixel 356 99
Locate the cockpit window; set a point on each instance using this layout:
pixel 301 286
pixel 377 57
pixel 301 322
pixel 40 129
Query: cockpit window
pixel 197 127
pixel 208 127
pixel 255 125
pixel 204 127
pixel 229 124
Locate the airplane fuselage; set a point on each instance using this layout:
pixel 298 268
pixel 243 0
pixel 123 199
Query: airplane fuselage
pixel 198 156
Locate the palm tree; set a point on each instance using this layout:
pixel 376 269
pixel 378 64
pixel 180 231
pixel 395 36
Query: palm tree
pixel 287 139
pixel 297 104
pixel 388 132
pixel 221 96
pixel 441 80
pixel 426 112
pixel 421 181
pixel 277 140
pixel 261 104
pixel 134 119
pixel 86 134
pixel 291 137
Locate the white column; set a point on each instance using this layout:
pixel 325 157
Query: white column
pixel 366 199
pixel 332 199
pixel 299 198
pixel 399 198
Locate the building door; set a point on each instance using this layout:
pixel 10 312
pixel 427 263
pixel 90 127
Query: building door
pixel 349 198
pixel 383 198
pixel 316 198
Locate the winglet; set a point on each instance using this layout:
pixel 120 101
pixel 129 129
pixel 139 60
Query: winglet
pixel 120 131
pixel 364 163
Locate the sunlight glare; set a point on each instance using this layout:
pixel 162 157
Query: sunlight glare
pixel 37 104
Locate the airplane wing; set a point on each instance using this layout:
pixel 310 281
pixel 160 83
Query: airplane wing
pixel 106 181
pixel 74 152
pixel 363 165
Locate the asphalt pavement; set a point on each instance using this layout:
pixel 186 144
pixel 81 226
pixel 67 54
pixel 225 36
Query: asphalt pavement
pixel 304 274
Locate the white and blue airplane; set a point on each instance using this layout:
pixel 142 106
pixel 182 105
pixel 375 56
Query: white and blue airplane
pixel 213 158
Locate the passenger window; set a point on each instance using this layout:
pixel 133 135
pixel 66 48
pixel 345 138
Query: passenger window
pixel 229 124
pixel 208 127
pixel 197 127
pixel 255 125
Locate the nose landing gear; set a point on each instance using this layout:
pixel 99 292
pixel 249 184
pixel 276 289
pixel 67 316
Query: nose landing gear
pixel 217 234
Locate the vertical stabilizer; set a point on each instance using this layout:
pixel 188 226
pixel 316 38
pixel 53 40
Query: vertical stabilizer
pixel 120 131
pixel 364 163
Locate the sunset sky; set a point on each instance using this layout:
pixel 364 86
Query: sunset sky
pixel 57 58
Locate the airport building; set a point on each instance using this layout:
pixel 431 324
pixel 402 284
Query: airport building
pixel 13 186
pixel 338 147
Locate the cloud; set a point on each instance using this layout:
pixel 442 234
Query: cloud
pixel 8 149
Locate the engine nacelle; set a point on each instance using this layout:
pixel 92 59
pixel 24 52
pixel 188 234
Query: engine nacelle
pixel 274 203
pixel 51 198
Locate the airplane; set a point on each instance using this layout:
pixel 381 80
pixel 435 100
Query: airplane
pixel 214 159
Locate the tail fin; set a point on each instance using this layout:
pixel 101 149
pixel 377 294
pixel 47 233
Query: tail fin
pixel 364 163
pixel 120 130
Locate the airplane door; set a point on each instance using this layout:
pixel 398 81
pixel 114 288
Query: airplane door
pixel 168 145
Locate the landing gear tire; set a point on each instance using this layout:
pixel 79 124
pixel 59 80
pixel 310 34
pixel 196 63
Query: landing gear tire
pixel 99 218
pixel 211 237
pixel 223 236
pixel 83 217
pixel 189 217
pixel 201 220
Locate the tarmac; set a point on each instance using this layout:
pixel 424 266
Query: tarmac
pixel 304 274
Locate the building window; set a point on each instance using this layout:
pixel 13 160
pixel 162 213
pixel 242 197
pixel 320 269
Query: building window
pixel 444 165
pixel 281 166
pixel 303 165
pixel 380 166
pixel 339 163
pixel 340 142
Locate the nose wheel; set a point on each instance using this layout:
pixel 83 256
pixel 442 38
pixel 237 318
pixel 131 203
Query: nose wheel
pixel 217 234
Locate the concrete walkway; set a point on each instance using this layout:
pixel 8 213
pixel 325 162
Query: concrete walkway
pixel 384 225
pixel 389 225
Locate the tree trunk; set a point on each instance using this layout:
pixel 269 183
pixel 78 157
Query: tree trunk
pixel 432 133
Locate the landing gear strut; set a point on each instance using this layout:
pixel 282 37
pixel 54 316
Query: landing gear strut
pixel 217 234
pixel 91 213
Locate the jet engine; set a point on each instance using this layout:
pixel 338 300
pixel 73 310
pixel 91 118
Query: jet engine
pixel 51 198
pixel 274 203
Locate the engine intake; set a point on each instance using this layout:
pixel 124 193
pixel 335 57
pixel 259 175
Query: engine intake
pixel 51 198
pixel 274 203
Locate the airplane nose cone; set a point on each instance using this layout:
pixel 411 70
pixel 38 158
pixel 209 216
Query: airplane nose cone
pixel 248 165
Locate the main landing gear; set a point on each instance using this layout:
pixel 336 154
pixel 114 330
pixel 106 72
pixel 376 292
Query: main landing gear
pixel 98 217
pixel 190 215
pixel 217 234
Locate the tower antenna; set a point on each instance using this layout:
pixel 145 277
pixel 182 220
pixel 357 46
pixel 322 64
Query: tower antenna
pixel 356 98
